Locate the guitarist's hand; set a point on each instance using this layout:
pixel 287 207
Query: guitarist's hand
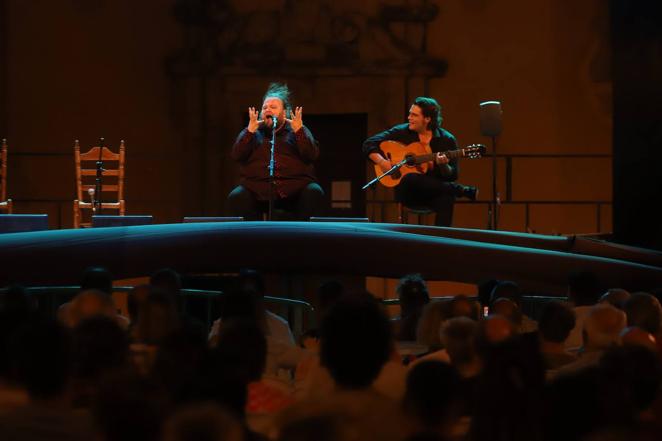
pixel 441 159
pixel 385 165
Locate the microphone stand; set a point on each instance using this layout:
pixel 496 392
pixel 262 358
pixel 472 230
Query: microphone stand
pixel 392 170
pixel 96 207
pixel 493 212
pixel 272 166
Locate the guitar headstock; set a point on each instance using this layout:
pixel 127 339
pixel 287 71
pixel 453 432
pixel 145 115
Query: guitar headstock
pixel 474 151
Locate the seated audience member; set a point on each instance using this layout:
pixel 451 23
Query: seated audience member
pixel 615 297
pixel 99 278
pixel 434 314
pixel 510 290
pixel 276 327
pixel 40 357
pixel 432 398
pixel 99 348
pixel 136 297
pixel 644 311
pixel 157 319
pixel 492 331
pixel 327 295
pixel 602 328
pixel 168 281
pixel 634 336
pixel 413 295
pixel 459 335
pixel 485 295
pixel 130 408
pixel 509 393
pixel 90 303
pixel 556 322
pixel 583 293
pixel 202 422
pixel 356 343
pixel 507 308
pixel 242 354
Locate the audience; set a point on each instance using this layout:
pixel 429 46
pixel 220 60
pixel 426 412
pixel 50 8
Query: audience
pixel 89 377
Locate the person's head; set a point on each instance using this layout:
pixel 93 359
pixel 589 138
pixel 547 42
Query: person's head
pixel 615 297
pixel 485 292
pixel 492 331
pixel 508 290
pixel 167 280
pixel 644 310
pixel 634 336
pixel 90 303
pixel 99 345
pixel 413 294
pixel 40 357
pixel 602 327
pixel 424 114
pixel 356 341
pixel 507 308
pixel 203 422
pixel 583 288
pixel 242 349
pixel 427 332
pixel 250 280
pixel 462 306
pixel 556 322
pixel 157 318
pixel 276 102
pixel 327 294
pixel 432 388
pixel 135 299
pixel 459 337
pixel 98 278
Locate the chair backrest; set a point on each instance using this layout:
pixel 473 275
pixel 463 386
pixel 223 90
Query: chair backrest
pixel 86 172
pixel 3 171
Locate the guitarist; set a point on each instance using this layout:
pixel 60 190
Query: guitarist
pixel 437 188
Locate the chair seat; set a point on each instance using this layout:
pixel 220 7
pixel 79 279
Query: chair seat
pixel 417 209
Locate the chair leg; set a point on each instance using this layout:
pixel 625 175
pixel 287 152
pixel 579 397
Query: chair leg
pixel 76 214
pixel 402 216
pixel 10 206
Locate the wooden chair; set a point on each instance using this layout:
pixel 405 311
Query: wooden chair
pixel 6 205
pixel 112 190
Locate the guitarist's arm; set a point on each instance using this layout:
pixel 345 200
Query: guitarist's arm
pixel 371 145
pixel 448 169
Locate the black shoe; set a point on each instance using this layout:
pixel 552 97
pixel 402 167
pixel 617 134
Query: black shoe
pixel 470 192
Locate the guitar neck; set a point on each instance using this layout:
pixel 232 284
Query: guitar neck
pixel 450 154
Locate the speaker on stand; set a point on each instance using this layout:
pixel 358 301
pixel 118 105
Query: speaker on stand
pixel 490 125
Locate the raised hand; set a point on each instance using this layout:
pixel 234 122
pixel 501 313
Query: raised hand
pixel 296 119
pixel 253 122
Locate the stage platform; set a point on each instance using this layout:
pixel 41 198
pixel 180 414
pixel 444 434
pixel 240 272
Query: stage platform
pixel 539 263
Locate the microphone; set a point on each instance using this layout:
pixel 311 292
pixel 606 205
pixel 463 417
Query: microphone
pixel 90 191
pixel 274 118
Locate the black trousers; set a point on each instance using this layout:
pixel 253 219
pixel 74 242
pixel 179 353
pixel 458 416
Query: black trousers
pixel 419 190
pixel 301 206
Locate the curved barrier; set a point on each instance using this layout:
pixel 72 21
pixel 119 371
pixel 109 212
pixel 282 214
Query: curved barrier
pixel 382 250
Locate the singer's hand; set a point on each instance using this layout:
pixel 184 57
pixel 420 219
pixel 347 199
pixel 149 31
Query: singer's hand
pixel 296 120
pixel 253 122
pixel 441 159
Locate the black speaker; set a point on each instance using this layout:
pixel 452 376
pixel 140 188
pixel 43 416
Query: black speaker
pixel 20 223
pixel 120 221
pixel 188 220
pixel 490 118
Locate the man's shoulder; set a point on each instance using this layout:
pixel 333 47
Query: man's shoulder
pixel 443 133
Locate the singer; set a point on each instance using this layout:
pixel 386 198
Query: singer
pixel 294 188
pixel 436 189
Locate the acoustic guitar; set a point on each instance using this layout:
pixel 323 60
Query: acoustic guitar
pixel 418 158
